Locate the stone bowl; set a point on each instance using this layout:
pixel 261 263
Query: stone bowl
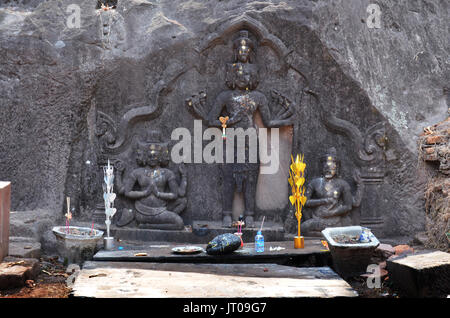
pixel 78 245
pixel 350 259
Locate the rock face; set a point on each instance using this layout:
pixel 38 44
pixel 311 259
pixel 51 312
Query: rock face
pixel 75 89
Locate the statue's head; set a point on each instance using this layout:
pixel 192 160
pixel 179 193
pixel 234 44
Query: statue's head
pixel 242 77
pixel 330 163
pixel 243 48
pixel 152 151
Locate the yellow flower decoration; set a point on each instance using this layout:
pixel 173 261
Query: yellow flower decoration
pixel 296 181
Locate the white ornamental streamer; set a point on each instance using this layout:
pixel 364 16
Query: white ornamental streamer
pixel 108 195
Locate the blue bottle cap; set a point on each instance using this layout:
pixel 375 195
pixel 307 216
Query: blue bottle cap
pixel 258 233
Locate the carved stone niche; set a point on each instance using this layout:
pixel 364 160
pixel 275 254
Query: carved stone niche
pixel 217 69
pixel 250 87
pixel 264 85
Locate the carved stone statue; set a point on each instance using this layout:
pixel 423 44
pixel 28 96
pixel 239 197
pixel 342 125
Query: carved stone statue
pixel 239 103
pixel 159 199
pixel 330 197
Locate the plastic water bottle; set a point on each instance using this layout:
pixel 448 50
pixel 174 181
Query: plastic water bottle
pixel 259 242
pixel 365 236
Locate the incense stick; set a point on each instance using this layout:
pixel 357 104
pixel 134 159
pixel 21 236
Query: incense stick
pixel 67 217
pixel 262 223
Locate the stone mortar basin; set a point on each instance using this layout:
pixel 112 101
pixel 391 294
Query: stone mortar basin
pixel 350 259
pixel 76 248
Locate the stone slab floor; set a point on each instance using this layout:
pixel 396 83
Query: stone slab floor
pixel 175 280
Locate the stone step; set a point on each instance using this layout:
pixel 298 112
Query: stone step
pixel 24 247
pixel 421 275
pixel 32 223
pixel 313 254
pixel 199 232
pixel 163 280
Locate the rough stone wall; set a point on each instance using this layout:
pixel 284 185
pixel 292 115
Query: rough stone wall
pixel 403 67
pixel 53 80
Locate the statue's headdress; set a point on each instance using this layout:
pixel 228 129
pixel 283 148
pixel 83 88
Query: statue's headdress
pixel 243 39
pixel 153 141
pixel 330 155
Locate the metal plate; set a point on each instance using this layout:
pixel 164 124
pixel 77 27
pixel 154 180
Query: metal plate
pixel 187 249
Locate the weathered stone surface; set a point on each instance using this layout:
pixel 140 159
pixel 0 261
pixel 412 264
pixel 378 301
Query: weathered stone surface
pixel 384 251
pixel 200 233
pixel 34 225
pixel 31 223
pixel 5 203
pixel 403 249
pixel 56 79
pixel 122 279
pixel 14 272
pixel 421 275
pixel 312 255
pixel 420 238
pixel 49 243
pixel 24 247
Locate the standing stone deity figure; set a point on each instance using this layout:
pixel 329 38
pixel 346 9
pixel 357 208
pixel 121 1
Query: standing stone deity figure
pixel 240 103
pixel 330 197
pixel 159 199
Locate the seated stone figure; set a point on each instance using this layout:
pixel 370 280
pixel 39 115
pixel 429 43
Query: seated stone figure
pixel 330 197
pixel 158 197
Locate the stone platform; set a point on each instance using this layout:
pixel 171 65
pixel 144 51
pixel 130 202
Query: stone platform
pixel 200 232
pixel 313 254
pixel 162 280
pixel 425 274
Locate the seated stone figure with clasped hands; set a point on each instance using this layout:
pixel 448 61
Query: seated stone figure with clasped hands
pixel 330 197
pixel 158 198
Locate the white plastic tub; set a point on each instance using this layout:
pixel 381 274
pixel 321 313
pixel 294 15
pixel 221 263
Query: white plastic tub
pixel 350 259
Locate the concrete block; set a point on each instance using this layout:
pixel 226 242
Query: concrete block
pixel 421 275
pixel 15 272
pixel 5 204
